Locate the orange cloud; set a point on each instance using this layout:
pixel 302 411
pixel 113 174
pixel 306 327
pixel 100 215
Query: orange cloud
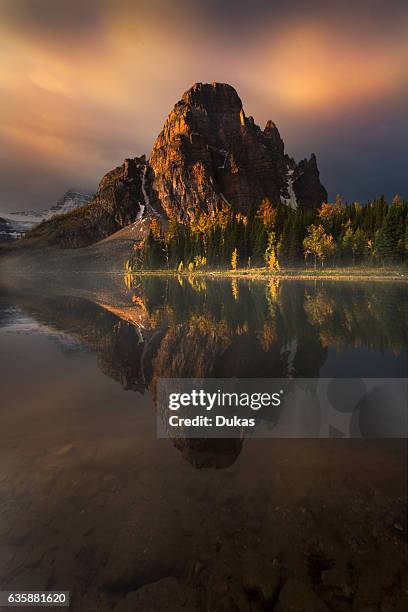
pixel 123 83
pixel 45 80
pixel 312 66
pixel 96 88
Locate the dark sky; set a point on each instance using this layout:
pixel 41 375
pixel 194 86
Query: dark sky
pixel 86 83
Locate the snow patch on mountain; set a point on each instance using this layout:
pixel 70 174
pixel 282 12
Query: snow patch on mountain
pixel 13 225
pixel 147 205
pixel 291 199
pixel 19 323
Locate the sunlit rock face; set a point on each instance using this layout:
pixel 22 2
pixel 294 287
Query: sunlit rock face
pixel 209 152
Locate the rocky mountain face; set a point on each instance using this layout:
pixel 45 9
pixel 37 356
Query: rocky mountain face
pixel 13 225
pixel 117 203
pixel 208 153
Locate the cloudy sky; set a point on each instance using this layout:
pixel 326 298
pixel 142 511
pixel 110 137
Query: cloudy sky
pixel 85 83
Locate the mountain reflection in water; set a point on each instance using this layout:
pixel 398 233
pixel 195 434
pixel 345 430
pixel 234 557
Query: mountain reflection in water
pixel 214 526
pixel 197 328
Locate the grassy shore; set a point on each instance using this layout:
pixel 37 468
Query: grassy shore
pixel 351 273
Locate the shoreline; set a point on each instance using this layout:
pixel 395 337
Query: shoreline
pixel 341 274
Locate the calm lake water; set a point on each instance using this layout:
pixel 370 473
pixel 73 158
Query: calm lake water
pixel 92 502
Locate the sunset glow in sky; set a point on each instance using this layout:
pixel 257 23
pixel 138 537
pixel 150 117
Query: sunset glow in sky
pixel 84 84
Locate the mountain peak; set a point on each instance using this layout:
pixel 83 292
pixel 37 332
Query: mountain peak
pixel 13 225
pixel 213 95
pixel 208 154
pixel 271 133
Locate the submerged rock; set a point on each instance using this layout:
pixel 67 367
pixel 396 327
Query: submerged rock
pixel 297 596
pixel 165 594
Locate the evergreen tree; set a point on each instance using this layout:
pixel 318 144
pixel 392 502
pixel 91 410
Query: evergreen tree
pixel 389 239
pixel 377 231
pixel 347 241
pixel 359 244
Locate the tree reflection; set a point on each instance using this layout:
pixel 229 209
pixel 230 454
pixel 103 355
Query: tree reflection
pixel 197 328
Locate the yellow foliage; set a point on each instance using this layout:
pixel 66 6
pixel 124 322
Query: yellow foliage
pixel 318 243
pixel 155 228
pixel 319 308
pixel 198 283
pixel 171 231
pixel 273 290
pixel 200 261
pixel 139 246
pixel 267 213
pixel 201 225
pixel 325 211
pixel 234 259
pixel 136 299
pixel 271 258
pixel 267 337
pixel 234 289
pixel 223 216
pixel 273 263
pixel 128 279
pixel 242 219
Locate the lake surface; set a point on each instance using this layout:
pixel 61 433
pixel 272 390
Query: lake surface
pixel 94 503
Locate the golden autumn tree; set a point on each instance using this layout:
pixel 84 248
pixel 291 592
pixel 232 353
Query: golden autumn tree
pixel 318 244
pixel 201 225
pixel 271 258
pixel 325 211
pixel 234 259
pixel 267 213
pixel 155 228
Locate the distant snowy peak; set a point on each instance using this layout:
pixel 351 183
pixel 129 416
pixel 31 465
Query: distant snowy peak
pixel 14 224
pixel 69 201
